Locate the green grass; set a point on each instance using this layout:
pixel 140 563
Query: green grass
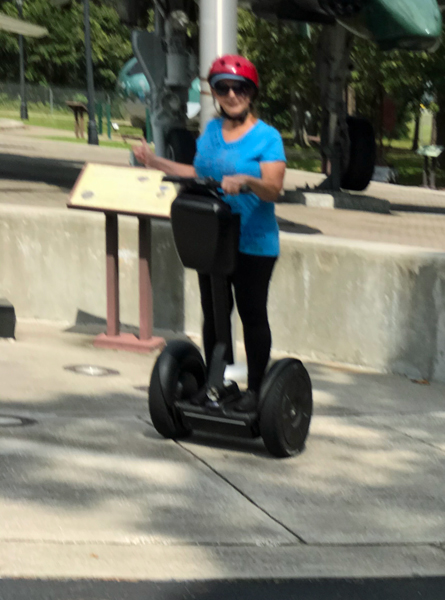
pixel 409 166
pixel 55 121
pixel 64 121
pixel 399 155
pixel 426 125
pixel 306 159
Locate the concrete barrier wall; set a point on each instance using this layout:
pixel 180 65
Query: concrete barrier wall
pixel 375 305
pixel 52 266
pixel 370 304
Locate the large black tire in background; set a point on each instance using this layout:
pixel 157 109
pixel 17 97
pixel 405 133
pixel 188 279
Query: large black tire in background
pixel 178 374
pixel 285 408
pixel 181 146
pixel 362 155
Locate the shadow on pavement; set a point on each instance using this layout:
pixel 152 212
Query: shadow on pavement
pixel 381 483
pixel 62 173
pixel 292 227
pixel 421 208
pixel 328 589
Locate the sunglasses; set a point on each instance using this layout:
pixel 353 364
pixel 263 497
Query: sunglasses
pixel 239 89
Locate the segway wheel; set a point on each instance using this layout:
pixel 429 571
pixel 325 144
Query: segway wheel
pixel 285 408
pixel 178 374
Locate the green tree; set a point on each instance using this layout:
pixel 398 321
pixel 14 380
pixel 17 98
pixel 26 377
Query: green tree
pixel 401 75
pixel 286 64
pixel 59 58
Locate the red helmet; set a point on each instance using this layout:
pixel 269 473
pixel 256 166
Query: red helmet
pixel 232 66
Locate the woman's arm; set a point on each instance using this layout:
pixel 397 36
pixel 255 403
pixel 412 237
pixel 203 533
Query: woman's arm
pixel 144 155
pixel 267 188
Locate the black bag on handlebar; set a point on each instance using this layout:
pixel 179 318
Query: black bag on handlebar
pixel 206 233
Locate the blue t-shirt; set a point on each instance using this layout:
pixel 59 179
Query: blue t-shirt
pixel 215 158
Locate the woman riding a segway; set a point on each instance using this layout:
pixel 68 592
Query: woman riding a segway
pixel 242 152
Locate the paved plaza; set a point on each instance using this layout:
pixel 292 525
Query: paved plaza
pixel 88 489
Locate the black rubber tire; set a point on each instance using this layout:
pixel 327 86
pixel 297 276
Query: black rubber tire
pixel 285 408
pixel 181 146
pixel 178 374
pixel 362 155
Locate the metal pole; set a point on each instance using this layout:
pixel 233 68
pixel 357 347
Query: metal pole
pixel 218 36
pixel 157 130
pixel 145 288
pixel 108 111
pixel 218 21
pixel 112 251
pixel 92 129
pixel 23 105
pixel 159 21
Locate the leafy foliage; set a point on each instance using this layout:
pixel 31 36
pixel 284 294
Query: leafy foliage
pixel 285 63
pixel 285 60
pixel 59 58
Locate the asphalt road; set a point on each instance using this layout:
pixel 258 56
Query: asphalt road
pixel 326 589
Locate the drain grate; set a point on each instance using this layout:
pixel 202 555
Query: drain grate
pixel 11 421
pixel 91 370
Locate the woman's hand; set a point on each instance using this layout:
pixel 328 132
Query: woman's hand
pixel 144 154
pixel 232 184
pixel 267 187
pixel 148 158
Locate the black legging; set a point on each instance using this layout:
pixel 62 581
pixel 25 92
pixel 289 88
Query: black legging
pixel 251 285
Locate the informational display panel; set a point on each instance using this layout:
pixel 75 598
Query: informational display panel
pixel 123 190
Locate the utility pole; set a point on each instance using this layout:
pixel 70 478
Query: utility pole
pixel 92 127
pixel 218 36
pixel 23 105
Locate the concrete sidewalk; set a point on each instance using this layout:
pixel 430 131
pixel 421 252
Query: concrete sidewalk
pixel 89 490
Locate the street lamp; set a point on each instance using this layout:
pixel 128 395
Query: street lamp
pixel 93 138
pixel 92 127
pixel 23 105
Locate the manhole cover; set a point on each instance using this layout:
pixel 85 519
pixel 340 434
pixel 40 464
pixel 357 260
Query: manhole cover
pixel 8 421
pixel 91 370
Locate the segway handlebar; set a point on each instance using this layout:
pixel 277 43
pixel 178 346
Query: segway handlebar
pixel 207 182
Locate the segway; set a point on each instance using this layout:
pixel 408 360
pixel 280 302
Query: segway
pixel 206 235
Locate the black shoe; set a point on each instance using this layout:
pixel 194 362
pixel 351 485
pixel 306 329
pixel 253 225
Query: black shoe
pixel 248 403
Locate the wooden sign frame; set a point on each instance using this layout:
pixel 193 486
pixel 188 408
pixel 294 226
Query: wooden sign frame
pixel 124 190
pixel 137 192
